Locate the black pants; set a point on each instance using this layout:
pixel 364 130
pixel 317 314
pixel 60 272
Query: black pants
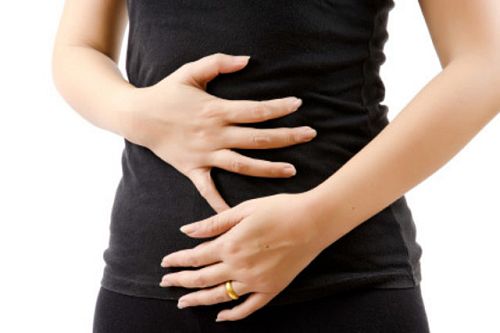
pixel 361 310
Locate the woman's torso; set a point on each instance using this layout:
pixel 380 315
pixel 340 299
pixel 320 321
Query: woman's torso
pixel 327 52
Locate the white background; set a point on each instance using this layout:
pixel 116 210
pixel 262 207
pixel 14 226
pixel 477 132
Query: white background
pixel 59 174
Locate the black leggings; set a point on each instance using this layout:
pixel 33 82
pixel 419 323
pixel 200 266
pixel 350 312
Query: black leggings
pixel 360 310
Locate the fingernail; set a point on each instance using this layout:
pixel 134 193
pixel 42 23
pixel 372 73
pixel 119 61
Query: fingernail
pixel 309 132
pixel 219 319
pixel 241 59
pixel 297 102
pixel 187 228
pixel 165 283
pixel 181 304
pixel 290 170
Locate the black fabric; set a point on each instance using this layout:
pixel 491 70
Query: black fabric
pixel 363 310
pixel 327 52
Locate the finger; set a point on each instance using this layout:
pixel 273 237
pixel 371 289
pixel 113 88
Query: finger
pixel 254 302
pixel 203 182
pixel 203 70
pixel 248 111
pixel 201 278
pixel 258 138
pixel 214 295
pixel 203 254
pixel 215 224
pixel 230 160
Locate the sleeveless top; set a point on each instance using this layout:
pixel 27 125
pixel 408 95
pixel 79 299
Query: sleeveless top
pixel 327 52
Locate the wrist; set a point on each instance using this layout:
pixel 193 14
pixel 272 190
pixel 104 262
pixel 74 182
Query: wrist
pixel 128 102
pixel 327 225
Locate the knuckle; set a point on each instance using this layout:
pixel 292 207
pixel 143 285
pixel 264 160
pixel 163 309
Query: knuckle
pixel 262 285
pixel 293 137
pixel 184 67
pixel 232 317
pixel 260 279
pixel 221 298
pixel 231 247
pixel 193 262
pixel 213 224
pixel 258 110
pixel 199 129
pixel 260 140
pixel 217 58
pixel 241 315
pixel 218 246
pixel 210 109
pixel 237 166
pixel 270 284
pixel 199 280
pixel 245 263
pixel 256 279
pixel 275 170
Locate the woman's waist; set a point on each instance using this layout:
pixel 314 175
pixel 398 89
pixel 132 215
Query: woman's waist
pixel 141 234
pixel 147 177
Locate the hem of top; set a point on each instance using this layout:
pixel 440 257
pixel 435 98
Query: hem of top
pixel 411 268
pixel 384 280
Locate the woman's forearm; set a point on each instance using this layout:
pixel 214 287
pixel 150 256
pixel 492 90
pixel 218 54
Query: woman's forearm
pixel 442 118
pixel 92 84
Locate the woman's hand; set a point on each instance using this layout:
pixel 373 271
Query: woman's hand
pixel 193 130
pixel 265 243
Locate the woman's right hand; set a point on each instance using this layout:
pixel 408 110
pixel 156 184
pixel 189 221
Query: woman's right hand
pixel 193 130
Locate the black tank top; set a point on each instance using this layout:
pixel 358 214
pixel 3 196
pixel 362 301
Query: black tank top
pixel 327 52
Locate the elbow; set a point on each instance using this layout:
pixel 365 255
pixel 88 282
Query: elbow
pixel 491 72
pixel 60 64
pixel 56 68
pixel 496 83
pixel 484 68
pixel 61 69
pixel 494 68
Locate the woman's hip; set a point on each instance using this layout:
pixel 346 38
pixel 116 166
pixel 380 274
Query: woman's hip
pixel 360 310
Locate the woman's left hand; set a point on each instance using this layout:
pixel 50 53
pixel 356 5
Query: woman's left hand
pixel 265 243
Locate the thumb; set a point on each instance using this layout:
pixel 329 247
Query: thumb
pixel 205 185
pixel 201 71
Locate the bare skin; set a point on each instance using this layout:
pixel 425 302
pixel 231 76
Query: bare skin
pixel 85 57
pixel 264 243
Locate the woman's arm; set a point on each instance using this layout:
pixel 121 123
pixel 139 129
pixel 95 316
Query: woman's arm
pixel 263 243
pixel 175 118
pixel 84 62
pixel 434 126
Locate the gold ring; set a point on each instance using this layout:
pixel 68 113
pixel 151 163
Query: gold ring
pixel 230 291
